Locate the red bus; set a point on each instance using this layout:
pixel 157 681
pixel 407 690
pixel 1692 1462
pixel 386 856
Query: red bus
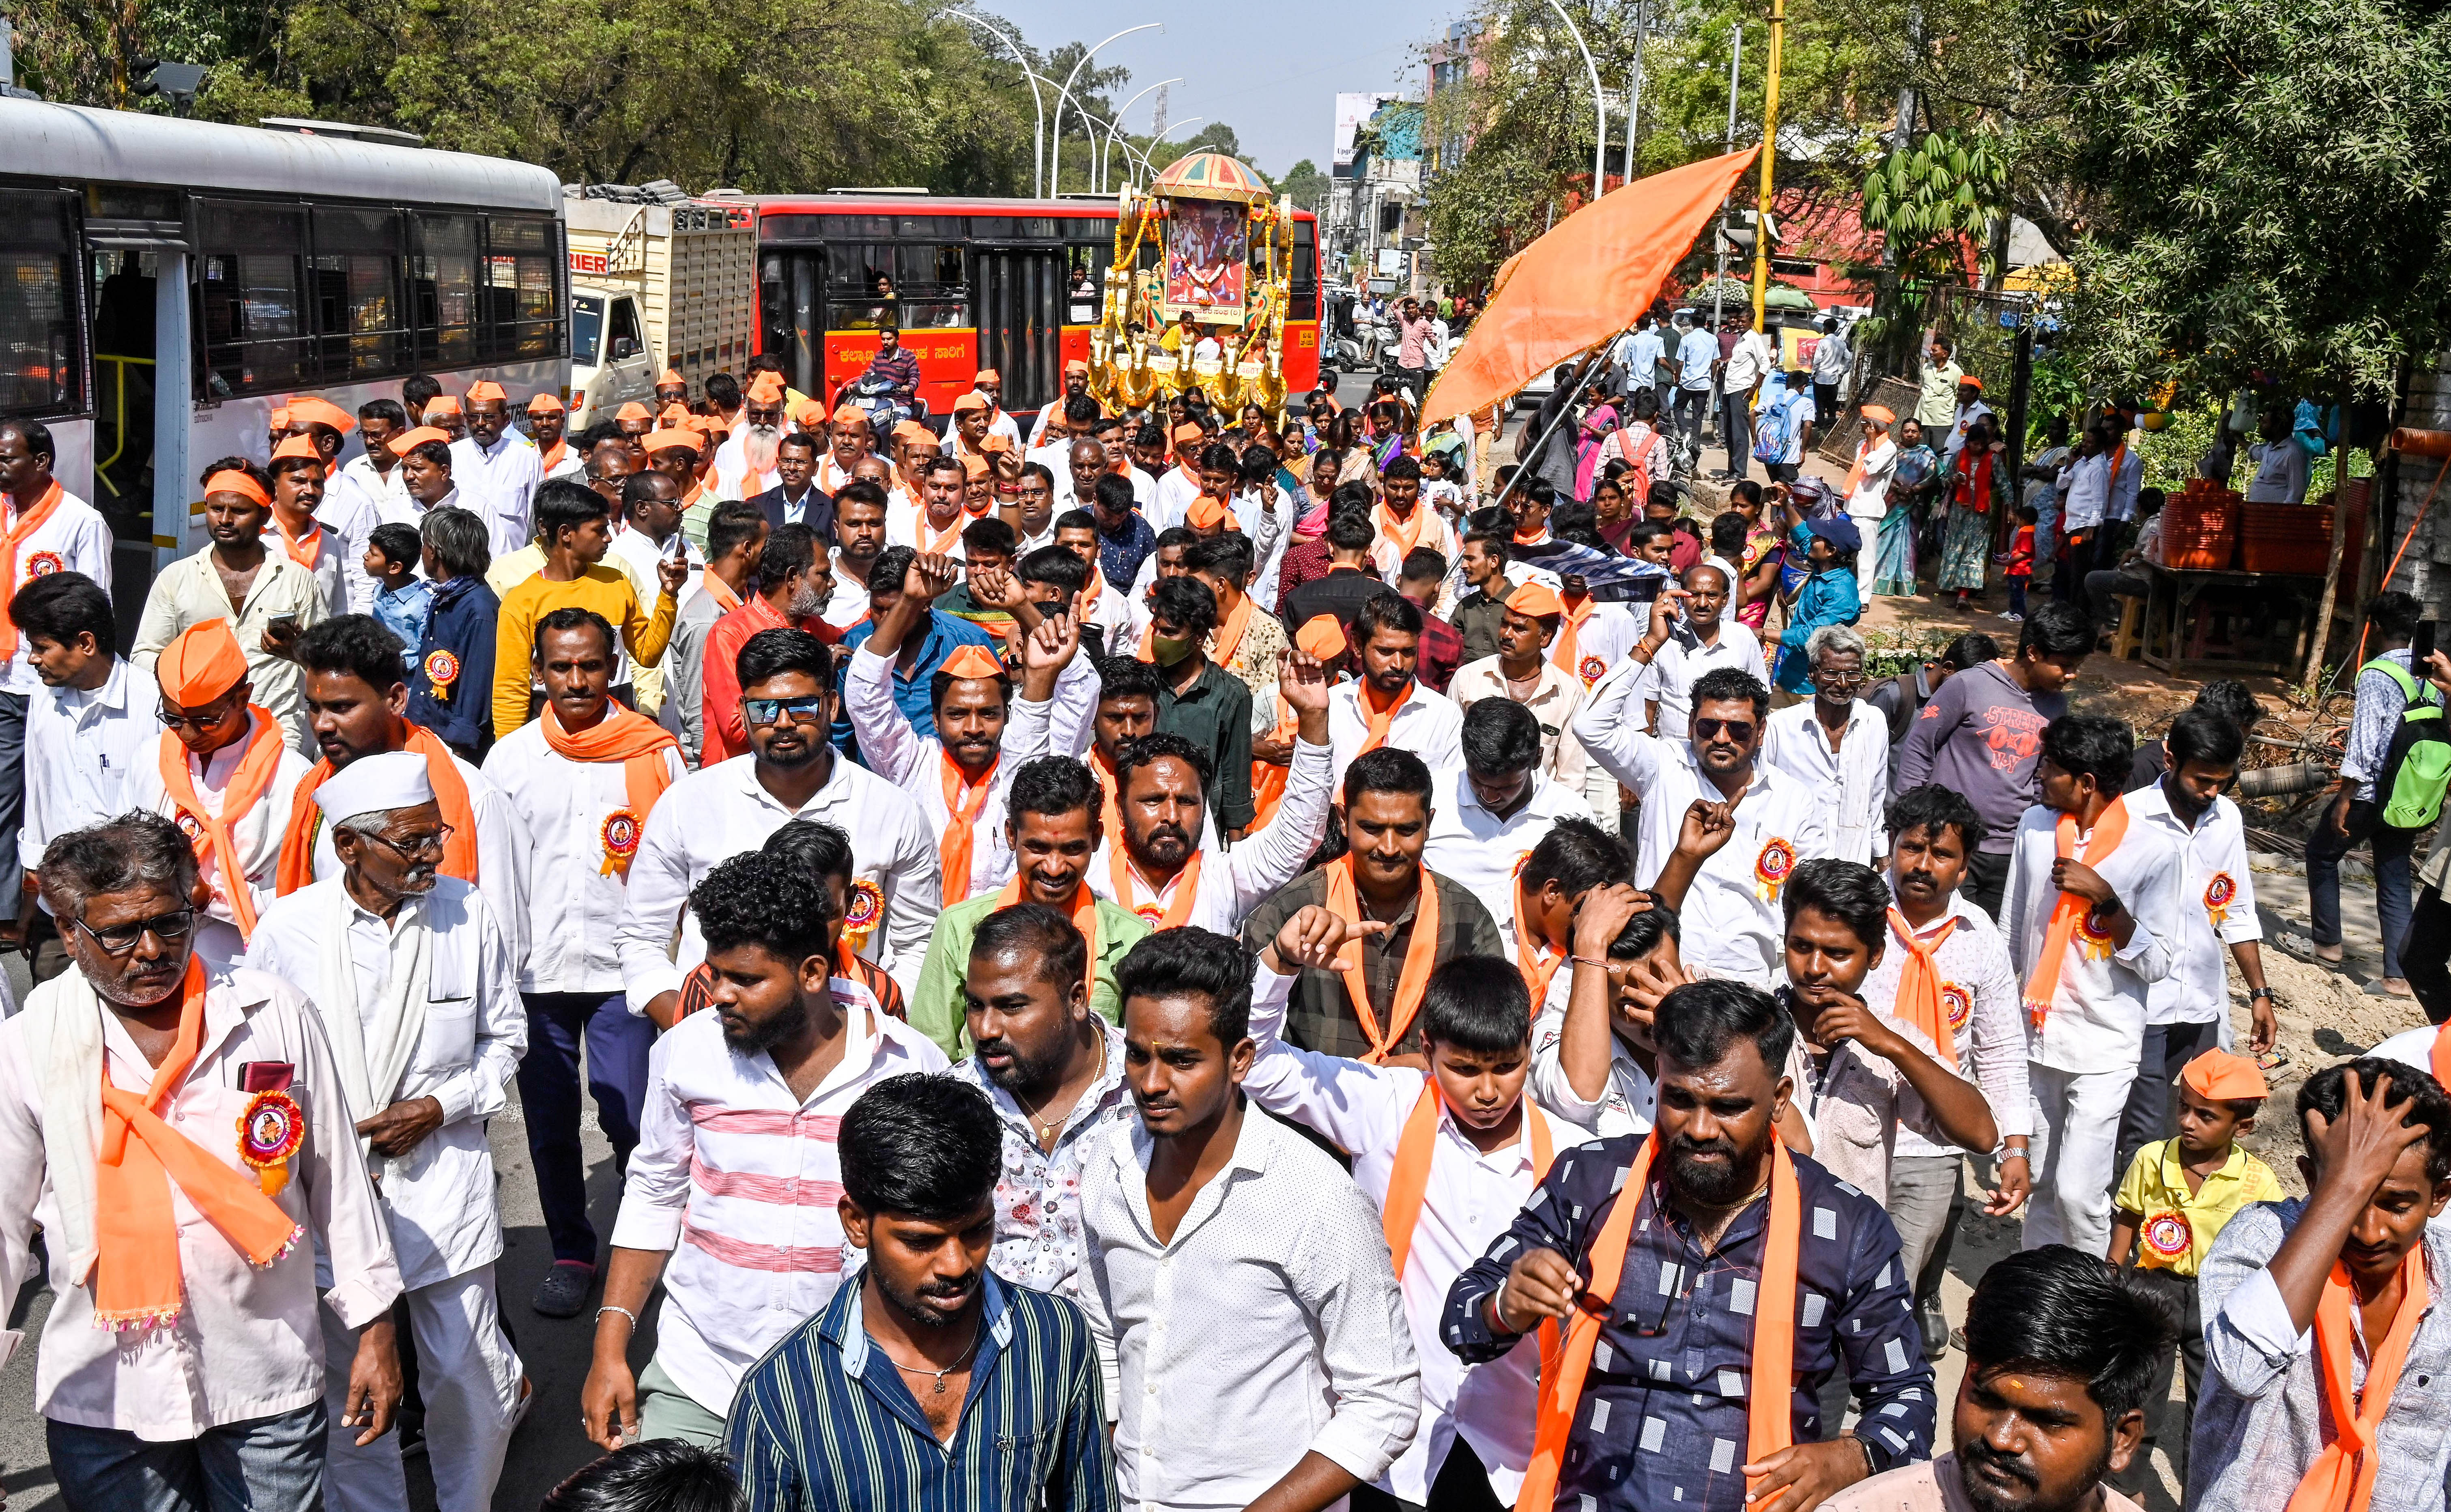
pixel 1013 284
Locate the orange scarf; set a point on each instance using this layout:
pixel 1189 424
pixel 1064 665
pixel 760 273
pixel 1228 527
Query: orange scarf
pixel 1408 1181
pixel 136 1230
pixel 549 461
pixel 2069 913
pixel 716 588
pixel 1225 641
pixel 2439 1060
pixel 1856 473
pixel 1421 957
pixel 1531 958
pixel 946 538
pixel 29 521
pixel 1186 889
pixel 638 744
pixel 1974 482
pixel 2341 1479
pixel 1110 815
pixel 1770 1422
pixel 1402 535
pixel 301 549
pixel 450 795
pixel 1566 652
pixel 1381 719
pixel 212 837
pixel 1268 780
pixel 1084 910
pixel 1918 1000
pixel 964 798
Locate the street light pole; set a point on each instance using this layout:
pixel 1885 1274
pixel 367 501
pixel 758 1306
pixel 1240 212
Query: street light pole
pixel 1769 157
pixel 1170 128
pixel 1599 102
pixel 1633 89
pixel 1056 146
pixel 1119 125
pixel 1037 101
pixel 1719 278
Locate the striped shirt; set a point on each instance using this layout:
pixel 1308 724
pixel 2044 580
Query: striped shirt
pixel 737 1179
pixel 826 1421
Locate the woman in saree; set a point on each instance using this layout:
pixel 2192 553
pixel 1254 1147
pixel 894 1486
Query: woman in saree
pixel 1977 490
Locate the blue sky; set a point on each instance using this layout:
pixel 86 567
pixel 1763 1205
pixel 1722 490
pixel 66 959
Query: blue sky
pixel 1270 68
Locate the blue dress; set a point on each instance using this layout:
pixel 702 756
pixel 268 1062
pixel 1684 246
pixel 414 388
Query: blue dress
pixel 1828 599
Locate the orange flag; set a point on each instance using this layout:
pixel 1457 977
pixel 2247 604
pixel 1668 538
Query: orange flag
pixel 1583 283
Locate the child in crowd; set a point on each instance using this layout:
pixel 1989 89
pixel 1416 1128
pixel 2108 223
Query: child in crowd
pixel 450 686
pixel 2174 1200
pixel 2021 561
pixel 402 599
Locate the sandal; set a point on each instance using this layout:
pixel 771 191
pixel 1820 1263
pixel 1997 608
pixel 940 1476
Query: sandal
pixel 2300 947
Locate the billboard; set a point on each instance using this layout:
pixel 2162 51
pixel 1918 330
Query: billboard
pixel 1352 110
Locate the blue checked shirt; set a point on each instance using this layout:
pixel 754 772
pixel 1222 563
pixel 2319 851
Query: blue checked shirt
pixel 826 1423
pixel 1661 1423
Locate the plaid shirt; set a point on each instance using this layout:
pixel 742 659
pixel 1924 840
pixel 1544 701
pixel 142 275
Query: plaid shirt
pixel 1320 1016
pixel 1441 651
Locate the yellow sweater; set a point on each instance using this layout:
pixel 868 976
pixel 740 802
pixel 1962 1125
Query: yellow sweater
pixel 607 591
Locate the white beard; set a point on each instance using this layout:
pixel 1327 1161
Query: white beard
pixel 760 446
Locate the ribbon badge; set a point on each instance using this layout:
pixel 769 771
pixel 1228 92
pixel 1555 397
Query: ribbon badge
pixel 862 912
pixel 270 1131
pixel 2218 895
pixel 188 827
pixel 44 563
pixel 2091 939
pixel 620 833
pixel 1591 669
pixel 2167 1234
pixel 1957 1003
pixel 442 670
pixel 1772 868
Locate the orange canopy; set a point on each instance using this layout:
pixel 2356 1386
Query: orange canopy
pixel 1583 283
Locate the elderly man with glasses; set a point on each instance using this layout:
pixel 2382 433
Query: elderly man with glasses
pixel 1837 745
pixel 413 976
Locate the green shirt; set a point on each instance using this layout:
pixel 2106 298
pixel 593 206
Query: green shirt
pixel 936 1007
pixel 1214 713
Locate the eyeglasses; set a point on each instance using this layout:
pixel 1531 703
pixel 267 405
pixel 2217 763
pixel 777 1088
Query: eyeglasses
pixel 172 719
pixel 1739 731
pixel 809 710
pixel 415 846
pixel 1839 682
pixel 119 939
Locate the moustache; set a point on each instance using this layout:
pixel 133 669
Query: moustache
pixel 1978 1451
pixel 951 1287
pixel 1682 1145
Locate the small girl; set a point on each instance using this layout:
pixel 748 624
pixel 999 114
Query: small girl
pixel 2021 561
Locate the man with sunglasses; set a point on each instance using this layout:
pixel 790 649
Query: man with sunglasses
pixel 1837 745
pixel 1733 923
pixel 790 771
pixel 221 770
pixel 413 974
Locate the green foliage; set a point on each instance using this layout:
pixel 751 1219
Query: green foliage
pixel 1306 182
pixel 1933 198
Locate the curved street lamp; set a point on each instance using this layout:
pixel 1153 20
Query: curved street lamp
pixel 1038 101
pixel 1056 146
pixel 1119 122
pixel 1599 102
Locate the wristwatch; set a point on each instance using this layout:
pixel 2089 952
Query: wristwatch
pixel 2256 994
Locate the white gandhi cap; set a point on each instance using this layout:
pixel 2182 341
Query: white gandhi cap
pixel 376 784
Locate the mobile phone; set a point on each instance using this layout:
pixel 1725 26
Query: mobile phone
pixel 2421 649
pixel 282 624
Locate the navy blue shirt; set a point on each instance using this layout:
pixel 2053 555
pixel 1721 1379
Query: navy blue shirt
pixel 826 1423
pixel 1662 1422
pixel 460 626
pixel 1120 555
pixel 914 695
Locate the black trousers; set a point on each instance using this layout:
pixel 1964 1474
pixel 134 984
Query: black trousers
pixel 2425 955
pixel 1463 1485
pixel 1987 880
pixel 2167 1425
pixel 2152 1096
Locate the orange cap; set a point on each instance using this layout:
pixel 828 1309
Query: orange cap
pixel 910 430
pixel 230 480
pixel 765 389
pixel 2218 1076
pixel 973 400
pixel 665 439
pixel 986 374
pixel 1320 638
pixel 313 411
pixel 297 446
pixel 1187 431
pixel 1879 414
pixel 808 414
pixel 409 440
pixel 969 661
pixel 1969 381
pixel 280 417
pixel 443 404
pixel 201 663
pixel 850 415
pixel 634 411
pixel 671 379
pixel 1206 511
pixel 672 415
pixel 546 404
pixel 1537 600
pixel 997 443
pixel 974 466
pixel 485 388
pixel 1077 366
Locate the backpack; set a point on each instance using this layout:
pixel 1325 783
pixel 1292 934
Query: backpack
pixel 1773 424
pixel 2417 766
pixel 1635 481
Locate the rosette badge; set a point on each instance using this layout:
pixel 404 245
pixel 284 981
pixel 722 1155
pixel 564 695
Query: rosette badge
pixel 270 1131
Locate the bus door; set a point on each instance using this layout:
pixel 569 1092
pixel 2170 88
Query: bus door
pixel 1018 294
pixel 790 296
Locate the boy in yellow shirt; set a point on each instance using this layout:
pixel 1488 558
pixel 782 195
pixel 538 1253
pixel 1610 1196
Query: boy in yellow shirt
pixel 574 525
pixel 2169 1207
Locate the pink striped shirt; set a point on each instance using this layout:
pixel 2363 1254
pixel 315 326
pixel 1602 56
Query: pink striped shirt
pixel 738 1180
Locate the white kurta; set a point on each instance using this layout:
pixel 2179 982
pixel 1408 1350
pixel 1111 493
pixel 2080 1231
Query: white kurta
pixel 2212 865
pixel 499 483
pixel 503 855
pixel 1851 783
pixel 1427 723
pixel 75 539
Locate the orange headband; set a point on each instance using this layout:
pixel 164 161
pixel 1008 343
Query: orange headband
pixel 230 480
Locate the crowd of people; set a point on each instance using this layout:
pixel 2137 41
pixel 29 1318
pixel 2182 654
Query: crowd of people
pixel 1197 960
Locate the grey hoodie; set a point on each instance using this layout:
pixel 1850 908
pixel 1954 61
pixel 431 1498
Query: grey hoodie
pixel 1982 735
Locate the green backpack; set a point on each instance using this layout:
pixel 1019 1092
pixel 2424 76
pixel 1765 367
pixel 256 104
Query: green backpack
pixel 2417 768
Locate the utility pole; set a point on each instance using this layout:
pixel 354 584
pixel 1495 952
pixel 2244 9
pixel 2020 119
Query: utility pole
pixel 1719 278
pixel 1768 159
pixel 1634 87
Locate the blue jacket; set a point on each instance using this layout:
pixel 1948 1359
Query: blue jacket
pixel 913 695
pixel 1828 598
pixel 460 622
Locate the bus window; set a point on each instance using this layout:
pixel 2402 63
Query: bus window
pixel 442 283
pixel 586 328
pixel 520 296
pixel 856 267
pixel 939 264
pixel 1085 280
pixel 42 363
pixel 1305 292
pixel 361 326
pixel 252 295
pixel 934 315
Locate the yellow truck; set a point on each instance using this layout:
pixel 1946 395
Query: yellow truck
pixel 658 279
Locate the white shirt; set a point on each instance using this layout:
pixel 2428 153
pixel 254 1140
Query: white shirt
pixel 572 463
pixel 1850 783
pixel 1669 681
pixel 502 852
pixel 1426 723
pixel 1695 351
pixel 737 1179
pixel 2213 861
pixel 1628 1099
pixel 1267 1329
pixel 257 834
pixel 733 477
pixel 2279 472
pixel 1728 927
pixel 1468 1203
pixel 383 495
pixel 2096 1022
pixel 848 605
pixel 1038 1241
pixel 1481 852
pixel 2086 480
pixel 907 524
pixel 1603 638
pixel 635 556
pixel 1871 500
pixel 438 1198
pixel 2126 480
pixel 247 1343
pixel 1175 494
pixel 80 751
pixel 1830 360
pixel 721 811
pixel 498 483
pixel 1234 882
pixel 1271 532
pixel 1990 1039
pixel 1957 441
pixel 350 519
pixel 1747 365
pixel 574 905
pixel 74 539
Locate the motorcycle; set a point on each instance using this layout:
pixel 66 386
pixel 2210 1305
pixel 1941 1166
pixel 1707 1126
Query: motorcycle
pixel 875 394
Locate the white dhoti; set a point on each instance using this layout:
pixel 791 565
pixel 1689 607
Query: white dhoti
pixel 468 1376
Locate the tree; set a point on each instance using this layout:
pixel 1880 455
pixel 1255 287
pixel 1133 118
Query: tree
pixel 1306 182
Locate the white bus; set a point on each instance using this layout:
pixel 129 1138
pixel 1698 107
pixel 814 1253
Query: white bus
pixel 165 285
